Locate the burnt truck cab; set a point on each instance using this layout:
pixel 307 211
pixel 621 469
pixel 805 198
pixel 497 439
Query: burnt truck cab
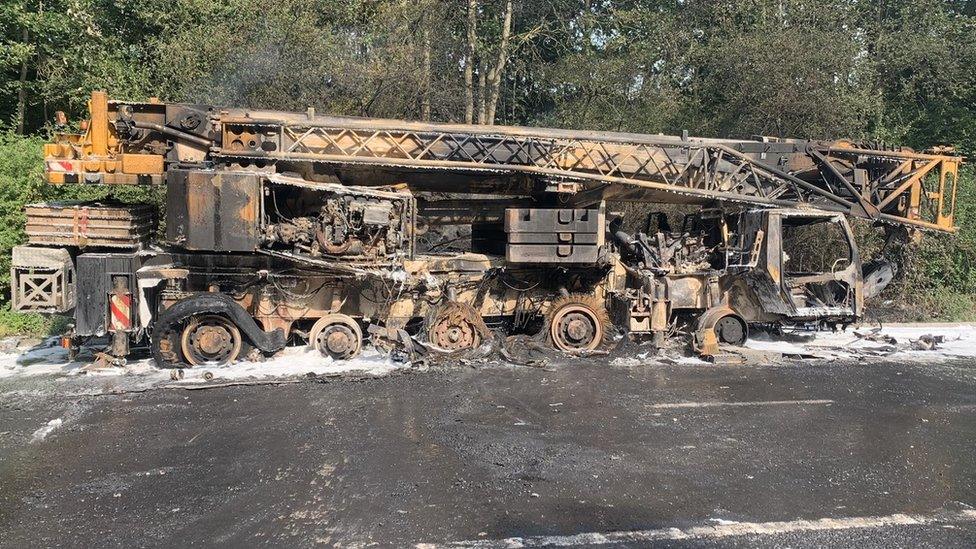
pixel 725 272
pixel 798 265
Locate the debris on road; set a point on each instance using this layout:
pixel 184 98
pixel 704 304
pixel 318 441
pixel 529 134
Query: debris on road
pixel 927 342
pixel 875 335
pixel 302 364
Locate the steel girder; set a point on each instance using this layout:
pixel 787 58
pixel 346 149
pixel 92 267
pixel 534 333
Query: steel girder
pixel 891 186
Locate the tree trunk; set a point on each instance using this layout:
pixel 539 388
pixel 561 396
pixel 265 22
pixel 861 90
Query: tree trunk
pixel 482 71
pixel 498 71
pixel 22 93
pixel 425 75
pixel 469 62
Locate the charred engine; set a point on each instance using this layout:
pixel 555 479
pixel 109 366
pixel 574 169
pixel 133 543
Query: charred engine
pixel 660 250
pixel 349 225
pixel 248 212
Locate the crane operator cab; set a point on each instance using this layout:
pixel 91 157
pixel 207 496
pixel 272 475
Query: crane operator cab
pixel 805 266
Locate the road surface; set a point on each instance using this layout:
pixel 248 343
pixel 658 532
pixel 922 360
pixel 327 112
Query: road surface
pixel 634 453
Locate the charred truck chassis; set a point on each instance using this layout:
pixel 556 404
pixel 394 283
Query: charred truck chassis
pixel 284 227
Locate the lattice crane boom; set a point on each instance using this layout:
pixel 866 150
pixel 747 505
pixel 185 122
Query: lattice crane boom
pixel 138 142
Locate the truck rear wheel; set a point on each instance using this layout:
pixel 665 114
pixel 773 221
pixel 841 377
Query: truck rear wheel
pixel 455 327
pixel 732 330
pixel 337 336
pixel 578 323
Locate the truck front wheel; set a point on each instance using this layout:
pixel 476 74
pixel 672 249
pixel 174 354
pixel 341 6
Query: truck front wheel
pixel 210 340
pixel 208 329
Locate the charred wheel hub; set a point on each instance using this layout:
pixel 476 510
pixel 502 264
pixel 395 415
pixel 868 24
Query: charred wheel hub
pixel 578 323
pixel 731 330
pixel 337 336
pixel 210 340
pixel 455 326
pixel 337 340
pixel 579 327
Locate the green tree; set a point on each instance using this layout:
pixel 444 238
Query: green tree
pixel 923 52
pixel 55 53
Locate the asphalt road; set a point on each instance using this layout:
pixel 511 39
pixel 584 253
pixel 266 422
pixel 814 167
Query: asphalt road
pixel 796 455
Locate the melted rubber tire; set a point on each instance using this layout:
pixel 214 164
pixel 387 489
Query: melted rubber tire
pixel 172 321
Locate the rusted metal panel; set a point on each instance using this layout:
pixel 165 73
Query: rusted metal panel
pixel 687 291
pixel 84 224
pixel 537 235
pixel 213 211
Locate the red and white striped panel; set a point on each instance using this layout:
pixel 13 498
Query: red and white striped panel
pixel 60 166
pixel 120 318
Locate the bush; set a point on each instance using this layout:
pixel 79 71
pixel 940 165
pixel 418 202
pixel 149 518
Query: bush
pixel 21 164
pixel 30 324
pixel 938 274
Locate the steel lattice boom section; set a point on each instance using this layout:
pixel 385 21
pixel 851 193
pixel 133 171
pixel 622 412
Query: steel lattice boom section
pixel 137 142
pixel 892 186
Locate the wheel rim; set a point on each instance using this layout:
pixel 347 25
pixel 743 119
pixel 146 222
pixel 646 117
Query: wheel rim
pixel 452 328
pixel 731 330
pixel 337 337
pixel 211 340
pixel 454 336
pixel 576 328
pixel 337 341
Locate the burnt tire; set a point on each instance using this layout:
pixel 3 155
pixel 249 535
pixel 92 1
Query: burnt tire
pixel 578 323
pixel 456 327
pixel 170 324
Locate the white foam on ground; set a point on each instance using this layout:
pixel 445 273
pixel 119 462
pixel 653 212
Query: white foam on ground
pixel 289 363
pixel 295 361
pixel 960 342
pixel 51 360
pixel 690 361
pixel 48 358
pixel 46 430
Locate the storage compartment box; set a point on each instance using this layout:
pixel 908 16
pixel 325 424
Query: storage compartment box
pixel 95 272
pixel 554 235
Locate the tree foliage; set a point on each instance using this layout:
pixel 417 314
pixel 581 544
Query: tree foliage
pixel 897 71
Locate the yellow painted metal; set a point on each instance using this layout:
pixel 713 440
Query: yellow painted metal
pixel 98 129
pixel 142 163
pixel 915 189
pixel 947 182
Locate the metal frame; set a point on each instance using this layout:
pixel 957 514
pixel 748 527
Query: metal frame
pixel 890 186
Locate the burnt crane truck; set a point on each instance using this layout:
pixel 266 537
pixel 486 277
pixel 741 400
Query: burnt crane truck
pixel 285 227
